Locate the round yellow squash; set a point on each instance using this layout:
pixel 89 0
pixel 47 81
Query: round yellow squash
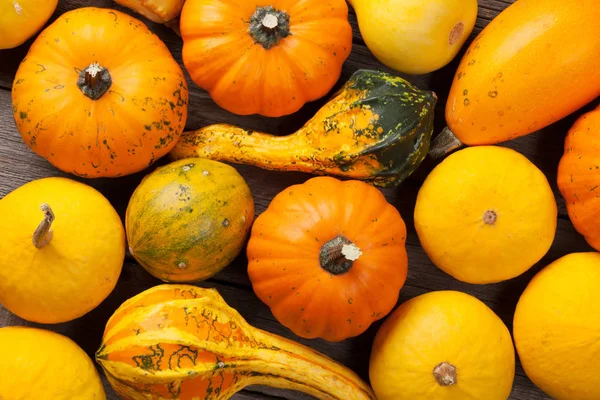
pixel 188 220
pixel 40 364
pixel 415 36
pixel 443 345
pixel 557 328
pixel 485 214
pixel 21 19
pixel 62 247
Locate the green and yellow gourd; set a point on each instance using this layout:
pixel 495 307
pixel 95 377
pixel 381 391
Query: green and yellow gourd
pixel 189 219
pixel 377 128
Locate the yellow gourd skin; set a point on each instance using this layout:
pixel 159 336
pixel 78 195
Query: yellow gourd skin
pixel 415 36
pixel 39 364
pixel 486 214
pixel 557 326
pixel 443 345
pixel 80 264
pixel 21 19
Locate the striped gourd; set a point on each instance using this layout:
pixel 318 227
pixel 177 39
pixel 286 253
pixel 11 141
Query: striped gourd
pixel 184 342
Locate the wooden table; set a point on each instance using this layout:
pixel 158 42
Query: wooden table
pixel 19 165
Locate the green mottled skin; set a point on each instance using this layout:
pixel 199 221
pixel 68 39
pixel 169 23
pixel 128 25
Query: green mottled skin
pixel 189 219
pixel 377 128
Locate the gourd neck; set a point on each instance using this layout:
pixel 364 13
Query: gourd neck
pixel 43 235
pixel 268 26
pixel 445 374
pixel 444 143
pixel 292 366
pixel 94 81
pixel 338 255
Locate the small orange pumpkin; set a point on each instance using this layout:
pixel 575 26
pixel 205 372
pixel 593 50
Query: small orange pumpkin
pixel 99 95
pixel 579 176
pixel 328 257
pixel 265 57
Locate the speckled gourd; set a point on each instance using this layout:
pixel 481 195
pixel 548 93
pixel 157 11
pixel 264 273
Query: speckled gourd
pixel 377 128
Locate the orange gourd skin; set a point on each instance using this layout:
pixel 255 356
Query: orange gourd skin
pixel 534 64
pixel 134 121
pixel 579 176
pixel 247 73
pixel 184 342
pixel 318 298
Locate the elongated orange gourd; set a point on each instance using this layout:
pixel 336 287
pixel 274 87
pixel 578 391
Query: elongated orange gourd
pixel 184 342
pixel 534 64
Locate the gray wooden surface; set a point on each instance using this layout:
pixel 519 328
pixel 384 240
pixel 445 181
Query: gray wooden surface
pixel 19 165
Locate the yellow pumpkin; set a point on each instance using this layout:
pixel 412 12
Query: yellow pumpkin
pixel 40 364
pixel 21 19
pixel 557 328
pixel 445 346
pixel 415 36
pixel 60 262
pixel 486 214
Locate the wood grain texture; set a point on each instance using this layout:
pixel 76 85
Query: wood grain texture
pixel 19 165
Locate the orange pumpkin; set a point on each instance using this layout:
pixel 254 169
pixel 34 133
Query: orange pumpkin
pixel 328 257
pixel 99 95
pixel 265 57
pixel 579 176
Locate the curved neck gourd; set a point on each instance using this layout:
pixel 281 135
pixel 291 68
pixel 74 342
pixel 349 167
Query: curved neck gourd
pixel 377 128
pixel 185 341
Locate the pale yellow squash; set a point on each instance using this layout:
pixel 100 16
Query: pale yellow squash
pixel 486 214
pixel 21 19
pixel 59 262
pixel 443 345
pixel 557 328
pixel 40 364
pixel 415 36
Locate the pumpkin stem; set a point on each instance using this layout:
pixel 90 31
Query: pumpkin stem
pixel 338 255
pixel 94 81
pixel 490 217
pixel 268 26
pixel 444 143
pixel 445 374
pixel 42 234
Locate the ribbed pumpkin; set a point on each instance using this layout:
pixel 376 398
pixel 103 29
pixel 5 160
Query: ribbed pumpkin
pixel 184 342
pixel 579 176
pixel 328 257
pixel 377 128
pixel 40 364
pixel 265 57
pixel 99 95
pixel 189 219
pixel 20 20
